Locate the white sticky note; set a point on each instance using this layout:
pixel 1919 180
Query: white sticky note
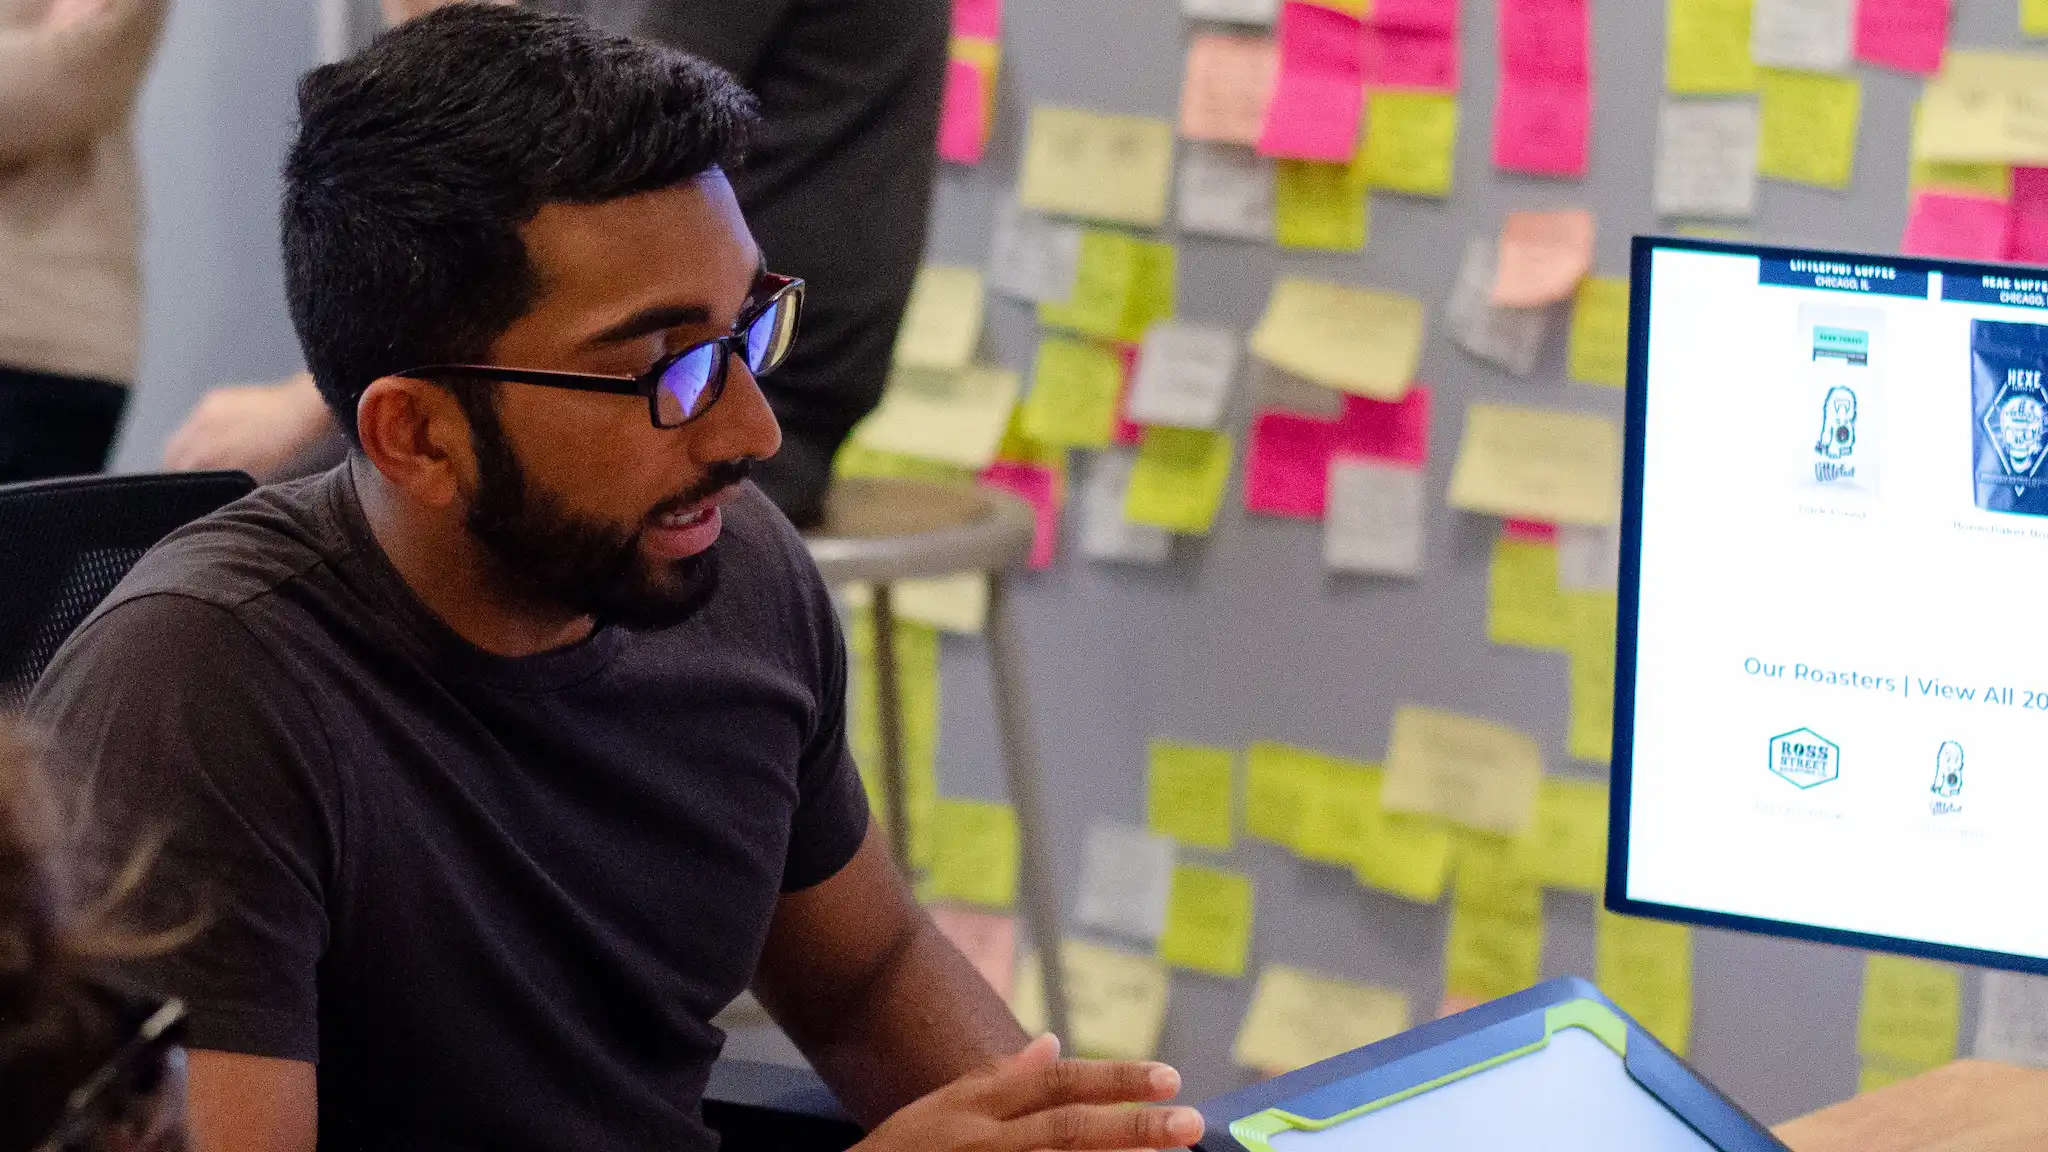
pixel 1810 34
pixel 1231 11
pixel 1373 519
pixel 2012 1019
pixel 1105 534
pixel 1588 557
pixel 1034 257
pixel 1509 337
pixel 1706 159
pixel 1225 190
pixel 1184 373
pixel 1126 877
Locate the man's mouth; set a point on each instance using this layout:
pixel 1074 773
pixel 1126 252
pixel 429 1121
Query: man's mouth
pixel 686 517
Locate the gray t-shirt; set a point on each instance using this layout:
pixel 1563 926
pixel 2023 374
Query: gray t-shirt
pixel 497 900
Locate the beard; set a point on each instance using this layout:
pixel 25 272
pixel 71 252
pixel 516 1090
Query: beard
pixel 549 554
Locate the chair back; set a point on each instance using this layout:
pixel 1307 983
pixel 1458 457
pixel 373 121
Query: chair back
pixel 65 543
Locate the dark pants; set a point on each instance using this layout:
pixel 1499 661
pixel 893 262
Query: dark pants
pixel 53 425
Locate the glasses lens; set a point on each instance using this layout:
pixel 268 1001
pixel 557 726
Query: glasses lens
pixel 770 335
pixel 686 384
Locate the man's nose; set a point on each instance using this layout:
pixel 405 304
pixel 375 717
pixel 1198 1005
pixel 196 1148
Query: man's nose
pixel 741 424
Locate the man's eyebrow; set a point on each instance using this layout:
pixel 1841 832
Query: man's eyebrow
pixel 659 318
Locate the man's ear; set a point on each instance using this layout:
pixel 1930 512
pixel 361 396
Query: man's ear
pixel 417 437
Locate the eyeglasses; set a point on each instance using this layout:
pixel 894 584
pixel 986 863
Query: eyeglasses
pixel 128 1078
pixel 683 385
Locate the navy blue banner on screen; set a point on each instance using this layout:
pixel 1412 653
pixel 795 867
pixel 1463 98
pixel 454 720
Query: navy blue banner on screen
pixel 2018 291
pixel 1865 277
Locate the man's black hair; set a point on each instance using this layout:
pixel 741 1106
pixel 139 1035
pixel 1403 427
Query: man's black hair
pixel 418 160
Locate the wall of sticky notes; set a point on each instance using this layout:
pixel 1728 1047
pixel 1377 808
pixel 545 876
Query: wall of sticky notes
pixel 1312 317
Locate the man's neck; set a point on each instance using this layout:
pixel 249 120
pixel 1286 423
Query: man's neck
pixel 446 568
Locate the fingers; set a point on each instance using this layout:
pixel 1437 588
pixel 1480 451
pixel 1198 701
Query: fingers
pixel 1037 1084
pixel 1100 1128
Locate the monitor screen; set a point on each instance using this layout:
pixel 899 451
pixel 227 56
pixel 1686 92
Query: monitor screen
pixel 1831 701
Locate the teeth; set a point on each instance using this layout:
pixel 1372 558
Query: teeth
pixel 680 520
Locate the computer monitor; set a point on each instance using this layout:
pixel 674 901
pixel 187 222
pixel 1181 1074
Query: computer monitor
pixel 1831 696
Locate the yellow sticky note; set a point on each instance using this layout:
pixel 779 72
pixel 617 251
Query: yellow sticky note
pixel 1116 1000
pixel 1599 336
pixel 858 459
pixel 974 853
pixel 917 677
pixel 1208 921
pixel 1496 876
pixel 1336 814
pixel 1178 480
pixel 2034 17
pixel 1646 967
pixel 1275 790
pixel 1569 845
pixel 1096 166
pixel 1021 447
pixel 1074 390
pixel 1467 770
pixel 987 56
pixel 1152 295
pixel 1876 1074
pixel 1707 47
pixel 1538 464
pixel 1993 179
pixel 1487 957
pixel 1358 340
pixel 1318 206
pixel 1297 1018
pixel 1589 647
pixel 1411 141
pixel 1188 793
pixel 1523 604
pixel 1405 855
pixel 955 417
pixel 1105 282
pixel 1807 132
pixel 948 603
pixel 1912 1012
pixel 942 321
pixel 1985 107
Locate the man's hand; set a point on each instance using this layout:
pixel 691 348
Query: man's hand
pixel 260 429
pixel 1036 1101
pixel 65 13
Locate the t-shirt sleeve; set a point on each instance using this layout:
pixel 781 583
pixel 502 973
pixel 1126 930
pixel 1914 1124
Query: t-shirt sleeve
pixel 832 807
pixel 169 723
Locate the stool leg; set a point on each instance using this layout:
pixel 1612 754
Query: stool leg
pixel 1020 767
pixel 889 709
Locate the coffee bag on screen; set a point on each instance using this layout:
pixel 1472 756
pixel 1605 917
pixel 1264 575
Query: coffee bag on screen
pixel 1843 406
pixel 2010 415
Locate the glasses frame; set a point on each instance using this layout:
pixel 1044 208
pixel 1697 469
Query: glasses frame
pixel 87 1109
pixel 789 289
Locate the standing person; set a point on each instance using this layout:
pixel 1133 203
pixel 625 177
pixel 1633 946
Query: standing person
pixel 837 187
pixel 507 753
pixel 69 276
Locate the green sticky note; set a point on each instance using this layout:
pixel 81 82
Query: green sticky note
pixel 1152 290
pixel 1912 1012
pixel 1188 790
pixel 1411 142
pixel 1208 921
pixel 1406 856
pixel 1339 803
pixel 1589 647
pixel 1706 47
pixel 1496 876
pixel 1646 967
pixel 1275 787
pixel 1105 282
pixel 1319 206
pixel 917 677
pixel 1074 391
pixel 1487 957
pixel 1599 338
pixel 1876 1074
pixel 974 853
pixel 2034 17
pixel 1178 480
pixel 1569 842
pixel 1807 132
pixel 857 459
pixel 1524 606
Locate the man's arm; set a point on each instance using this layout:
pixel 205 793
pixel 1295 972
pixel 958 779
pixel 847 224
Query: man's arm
pixel 885 1007
pixel 66 81
pixel 237 1103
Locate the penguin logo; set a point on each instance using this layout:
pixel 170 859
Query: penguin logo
pixel 1948 770
pixel 1837 424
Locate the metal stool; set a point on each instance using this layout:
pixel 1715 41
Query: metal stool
pixel 878 531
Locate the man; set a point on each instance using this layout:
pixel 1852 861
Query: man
pixel 838 187
pixel 503 756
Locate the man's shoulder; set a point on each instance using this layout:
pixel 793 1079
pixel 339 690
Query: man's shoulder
pixel 240 553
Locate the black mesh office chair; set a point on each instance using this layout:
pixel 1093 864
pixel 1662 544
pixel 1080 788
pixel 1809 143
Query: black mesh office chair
pixel 64 544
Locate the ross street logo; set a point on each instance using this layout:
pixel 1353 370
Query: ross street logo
pixel 1805 758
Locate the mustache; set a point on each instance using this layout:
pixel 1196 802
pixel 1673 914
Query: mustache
pixel 716 479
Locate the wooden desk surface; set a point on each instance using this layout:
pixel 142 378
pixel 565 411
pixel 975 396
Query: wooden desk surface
pixel 1968 1106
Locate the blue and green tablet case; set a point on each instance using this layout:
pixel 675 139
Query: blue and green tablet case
pixel 1557 1067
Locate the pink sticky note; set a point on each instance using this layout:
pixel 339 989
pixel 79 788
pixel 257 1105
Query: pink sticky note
pixel 1287 471
pixel 1319 91
pixel 1039 486
pixel 1410 58
pixel 1956 227
pixel 987 940
pixel 1427 15
pixel 1128 432
pixel 1543 256
pixel 1228 82
pixel 1395 430
pixel 1546 40
pixel 1904 34
pixel 1529 531
pixel 981 19
pixel 962 131
pixel 2027 235
pixel 1542 127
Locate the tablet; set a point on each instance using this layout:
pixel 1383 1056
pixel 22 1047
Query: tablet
pixel 1831 697
pixel 1557 1068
